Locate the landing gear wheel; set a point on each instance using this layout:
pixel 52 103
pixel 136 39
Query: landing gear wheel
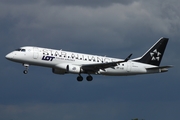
pixel 79 78
pixel 25 71
pixel 89 78
pixel 26 68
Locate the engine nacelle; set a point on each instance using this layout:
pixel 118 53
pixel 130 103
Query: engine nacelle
pixel 68 68
pixel 58 71
pixel 73 69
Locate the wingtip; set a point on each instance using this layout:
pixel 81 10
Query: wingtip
pixel 128 57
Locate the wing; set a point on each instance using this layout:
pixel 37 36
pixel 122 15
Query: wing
pixel 98 66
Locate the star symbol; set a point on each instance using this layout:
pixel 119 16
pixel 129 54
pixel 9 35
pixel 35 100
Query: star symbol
pixel 155 55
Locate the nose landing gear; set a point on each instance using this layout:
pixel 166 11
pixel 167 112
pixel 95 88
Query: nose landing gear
pixel 26 68
pixel 25 71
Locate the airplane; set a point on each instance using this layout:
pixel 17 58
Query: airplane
pixel 64 62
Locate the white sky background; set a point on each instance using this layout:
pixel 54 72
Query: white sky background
pixel 112 28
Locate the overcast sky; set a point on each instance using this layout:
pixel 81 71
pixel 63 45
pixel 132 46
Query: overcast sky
pixel 113 28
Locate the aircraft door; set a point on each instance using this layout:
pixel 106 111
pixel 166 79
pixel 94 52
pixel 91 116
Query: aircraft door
pixel 129 64
pixel 35 53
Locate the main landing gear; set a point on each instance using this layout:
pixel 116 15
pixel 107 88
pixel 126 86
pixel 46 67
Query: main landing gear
pixel 88 78
pixel 79 78
pixel 26 68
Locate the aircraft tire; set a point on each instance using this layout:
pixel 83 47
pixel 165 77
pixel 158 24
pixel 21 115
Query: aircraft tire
pixel 79 78
pixel 89 78
pixel 25 71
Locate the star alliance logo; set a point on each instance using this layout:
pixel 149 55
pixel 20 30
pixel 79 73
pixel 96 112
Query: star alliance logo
pixel 155 55
pixel 74 68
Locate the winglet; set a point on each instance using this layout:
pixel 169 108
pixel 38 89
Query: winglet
pixel 128 58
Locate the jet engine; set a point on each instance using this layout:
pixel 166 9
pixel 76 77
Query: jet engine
pixel 58 71
pixel 73 69
pixel 66 68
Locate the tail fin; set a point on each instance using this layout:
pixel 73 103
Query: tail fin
pixel 154 55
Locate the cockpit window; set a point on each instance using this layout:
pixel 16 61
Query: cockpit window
pixel 22 50
pixel 18 49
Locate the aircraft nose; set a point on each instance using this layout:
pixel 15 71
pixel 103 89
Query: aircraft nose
pixel 9 56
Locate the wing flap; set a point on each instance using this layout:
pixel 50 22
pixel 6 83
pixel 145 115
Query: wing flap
pixel 97 66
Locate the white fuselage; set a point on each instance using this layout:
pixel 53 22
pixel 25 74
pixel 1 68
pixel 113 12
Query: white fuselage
pixel 54 58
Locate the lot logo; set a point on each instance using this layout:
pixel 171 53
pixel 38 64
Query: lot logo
pixel 48 58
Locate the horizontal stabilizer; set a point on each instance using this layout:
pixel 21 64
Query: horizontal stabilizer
pixel 160 68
